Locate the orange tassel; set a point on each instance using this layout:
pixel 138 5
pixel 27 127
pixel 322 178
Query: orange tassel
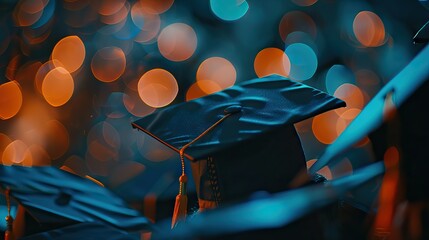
pixel 181 205
pixel 8 234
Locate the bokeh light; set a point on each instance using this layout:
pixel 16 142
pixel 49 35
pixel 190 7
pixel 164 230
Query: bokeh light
pixel 296 21
pixel 352 95
pixel 108 64
pixel 271 61
pixel 194 91
pixel 177 42
pixel 229 10
pixel 156 6
pixel 70 51
pixel 118 13
pixel 336 76
pixel 132 169
pixel 10 99
pixel 109 7
pixel 103 143
pixel 43 70
pixel 369 29
pixel 15 153
pixel 58 87
pixel 134 104
pixel 217 70
pixel 303 61
pixel 149 24
pixel 28 12
pixel 157 88
pixel 55 139
pixel 4 142
pixel 304 3
pixel 38 156
pixel 324 127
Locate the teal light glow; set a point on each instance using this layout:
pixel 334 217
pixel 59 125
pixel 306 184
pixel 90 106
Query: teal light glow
pixel 303 61
pixel 336 76
pixel 229 10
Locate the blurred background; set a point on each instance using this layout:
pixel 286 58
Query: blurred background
pixel 74 74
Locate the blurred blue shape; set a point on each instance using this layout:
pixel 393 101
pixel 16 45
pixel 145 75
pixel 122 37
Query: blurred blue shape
pixel 84 231
pixel 303 61
pixel 229 10
pixel 372 116
pixel 53 196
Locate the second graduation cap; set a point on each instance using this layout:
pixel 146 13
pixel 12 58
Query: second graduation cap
pixel 242 139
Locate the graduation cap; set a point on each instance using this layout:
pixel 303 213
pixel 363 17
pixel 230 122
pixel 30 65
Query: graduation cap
pixel 58 198
pixel 271 212
pixel 239 140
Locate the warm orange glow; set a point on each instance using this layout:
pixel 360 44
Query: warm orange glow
pixel 119 16
pixel 388 192
pixel 194 92
pixel 324 127
pixel 296 21
pixel 156 6
pixel 346 118
pixel 4 142
pixel 28 12
pixel 304 3
pixel 352 95
pixel 12 67
pixel 369 29
pixel 149 23
pixel 109 7
pixel 56 138
pixel 108 64
pixel 58 87
pixel 70 51
pixel 218 71
pixel 10 99
pixel 15 153
pixel 43 70
pixel 209 87
pixel 157 88
pixel 135 105
pixel 271 61
pixel 37 156
pixel 391 157
pixel 132 169
pixel 177 42
pixel 325 171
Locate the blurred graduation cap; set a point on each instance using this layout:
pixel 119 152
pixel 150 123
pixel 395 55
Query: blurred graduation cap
pixel 390 97
pixel 82 231
pixel 272 212
pixel 242 139
pixel 57 198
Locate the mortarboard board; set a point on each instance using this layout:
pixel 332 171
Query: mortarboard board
pixel 270 212
pixel 242 139
pixel 57 198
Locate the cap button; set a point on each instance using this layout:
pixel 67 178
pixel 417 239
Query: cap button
pixel 232 109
